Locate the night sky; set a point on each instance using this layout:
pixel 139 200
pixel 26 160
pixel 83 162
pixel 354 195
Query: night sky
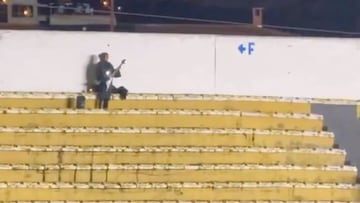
pixel 341 15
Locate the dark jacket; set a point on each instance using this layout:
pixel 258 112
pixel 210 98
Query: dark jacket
pixel 103 71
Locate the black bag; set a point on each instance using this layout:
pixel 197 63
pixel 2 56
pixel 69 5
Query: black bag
pixel 80 102
pixel 123 92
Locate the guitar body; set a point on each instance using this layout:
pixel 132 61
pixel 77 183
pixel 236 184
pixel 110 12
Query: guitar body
pixel 113 75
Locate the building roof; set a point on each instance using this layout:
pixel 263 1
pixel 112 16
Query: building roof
pixel 209 29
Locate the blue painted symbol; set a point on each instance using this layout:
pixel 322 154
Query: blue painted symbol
pixel 242 48
pixel 249 47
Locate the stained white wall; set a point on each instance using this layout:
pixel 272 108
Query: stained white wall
pixel 171 63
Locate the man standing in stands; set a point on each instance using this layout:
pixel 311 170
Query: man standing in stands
pixel 104 70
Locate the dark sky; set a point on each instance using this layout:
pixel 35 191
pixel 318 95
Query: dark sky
pixel 324 14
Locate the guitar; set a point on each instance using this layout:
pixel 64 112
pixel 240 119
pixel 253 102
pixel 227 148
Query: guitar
pixel 112 75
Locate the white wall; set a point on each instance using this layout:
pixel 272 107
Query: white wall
pixel 164 63
pixel 57 61
pixel 302 67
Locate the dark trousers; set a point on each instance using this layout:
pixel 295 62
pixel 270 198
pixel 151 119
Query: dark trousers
pixel 102 103
pixel 102 97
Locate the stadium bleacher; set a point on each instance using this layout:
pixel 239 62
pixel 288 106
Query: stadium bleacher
pixel 169 148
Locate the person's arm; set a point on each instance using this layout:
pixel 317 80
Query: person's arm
pixel 117 73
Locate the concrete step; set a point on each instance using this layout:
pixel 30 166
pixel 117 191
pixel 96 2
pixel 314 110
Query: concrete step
pixel 185 191
pixel 158 118
pixel 165 137
pixel 158 101
pixel 147 173
pixel 169 155
pixel 182 201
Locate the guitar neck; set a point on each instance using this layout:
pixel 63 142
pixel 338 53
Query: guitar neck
pixel 116 70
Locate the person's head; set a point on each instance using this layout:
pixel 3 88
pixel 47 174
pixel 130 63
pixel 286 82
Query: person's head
pixel 104 56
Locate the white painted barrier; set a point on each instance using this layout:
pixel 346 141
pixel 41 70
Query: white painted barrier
pixel 289 66
pixel 174 63
pixel 58 61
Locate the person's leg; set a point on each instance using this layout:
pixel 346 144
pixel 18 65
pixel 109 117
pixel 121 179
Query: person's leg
pixel 101 95
pixel 101 106
pixel 98 101
pixel 106 104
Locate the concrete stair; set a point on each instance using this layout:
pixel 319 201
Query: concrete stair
pixel 181 201
pixel 137 137
pixel 158 118
pixel 184 191
pixel 159 101
pixel 169 155
pixel 154 173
